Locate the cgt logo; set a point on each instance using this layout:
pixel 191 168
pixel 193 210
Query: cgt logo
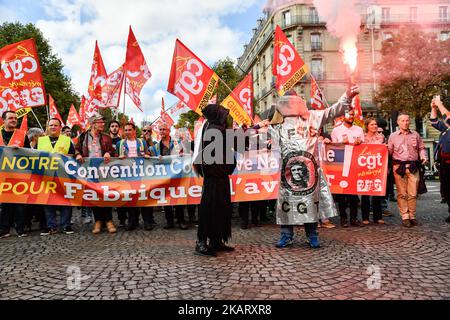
pixel 189 81
pixel 301 207
pixel 285 68
pixel 371 162
pixel 17 68
pixel 245 97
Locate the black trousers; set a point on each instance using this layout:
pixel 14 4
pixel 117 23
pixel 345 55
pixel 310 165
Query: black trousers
pixel 12 215
pixel 257 208
pixel 147 215
pixel 347 200
pixel 376 206
pixel 102 213
pixel 122 214
pixel 179 212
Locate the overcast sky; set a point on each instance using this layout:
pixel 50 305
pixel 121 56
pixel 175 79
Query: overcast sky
pixel 213 29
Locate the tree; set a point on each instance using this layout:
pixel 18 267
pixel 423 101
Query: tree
pixel 227 71
pixel 187 120
pixel 414 67
pixel 57 84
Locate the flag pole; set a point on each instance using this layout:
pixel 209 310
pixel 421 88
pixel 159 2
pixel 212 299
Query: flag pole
pixel 47 108
pixel 34 114
pixel 314 79
pixel 124 91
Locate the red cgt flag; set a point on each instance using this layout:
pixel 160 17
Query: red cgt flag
pixel 21 83
pixel 24 124
pixel 288 66
pixel 73 118
pixel 137 72
pixel 112 89
pixel 317 101
pixel 191 80
pixel 53 110
pixel 240 101
pixel 98 76
pixel 165 116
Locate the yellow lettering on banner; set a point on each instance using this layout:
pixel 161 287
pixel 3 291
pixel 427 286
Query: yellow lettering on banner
pixel 24 163
pixel 5 187
pixel 51 186
pixel 295 78
pixel 21 188
pixel 54 164
pixel 43 163
pixel 208 94
pixel 9 163
pixel 236 111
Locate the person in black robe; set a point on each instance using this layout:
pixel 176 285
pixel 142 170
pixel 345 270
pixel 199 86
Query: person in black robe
pixel 214 215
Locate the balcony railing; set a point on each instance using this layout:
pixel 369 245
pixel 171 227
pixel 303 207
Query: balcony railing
pixel 302 20
pixel 319 75
pixel 407 18
pixel 316 46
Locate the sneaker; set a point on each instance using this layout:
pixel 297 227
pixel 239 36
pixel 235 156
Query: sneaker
pixel 328 224
pixel 48 231
pixel 381 221
pixel 344 223
pixel 68 230
pixel 413 223
pixel 21 234
pixel 366 222
pixel 406 223
pixel 182 226
pixel 284 241
pixel 4 234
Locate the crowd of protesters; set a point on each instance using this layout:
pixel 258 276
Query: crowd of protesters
pixel 407 156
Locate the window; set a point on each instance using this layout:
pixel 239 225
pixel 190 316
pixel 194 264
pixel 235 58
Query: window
pixel 313 15
pixel 412 14
pixel 316 43
pixel 385 14
pixel 445 35
pixel 387 35
pixel 263 60
pixel 317 69
pixel 286 18
pixel 443 14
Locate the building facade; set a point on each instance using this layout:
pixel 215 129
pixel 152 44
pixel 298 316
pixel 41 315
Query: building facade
pixel 380 19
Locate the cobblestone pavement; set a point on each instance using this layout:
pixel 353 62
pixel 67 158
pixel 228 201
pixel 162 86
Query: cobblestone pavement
pixel 412 263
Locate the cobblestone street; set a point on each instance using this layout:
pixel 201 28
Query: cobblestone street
pixel 414 263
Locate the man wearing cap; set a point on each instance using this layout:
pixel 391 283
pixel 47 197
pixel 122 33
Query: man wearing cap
pixel 96 144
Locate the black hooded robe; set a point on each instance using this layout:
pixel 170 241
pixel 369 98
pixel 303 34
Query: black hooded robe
pixel 215 210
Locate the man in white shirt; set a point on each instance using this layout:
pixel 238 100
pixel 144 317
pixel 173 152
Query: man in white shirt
pixel 348 133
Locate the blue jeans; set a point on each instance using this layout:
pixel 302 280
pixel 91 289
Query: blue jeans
pixel 50 215
pixel 310 230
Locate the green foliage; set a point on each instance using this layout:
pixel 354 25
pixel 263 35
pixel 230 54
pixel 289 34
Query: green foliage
pixel 226 70
pixel 414 67
pixel 57 84
pixel 187 120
